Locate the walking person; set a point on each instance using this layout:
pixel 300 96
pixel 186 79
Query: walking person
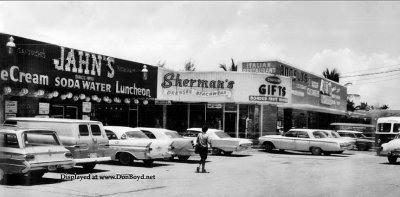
pixel 202 148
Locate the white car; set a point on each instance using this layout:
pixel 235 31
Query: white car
pixel 315 141
pixel 338 136
pixel 393 149
pixel 128 144
pixel 31 153
pixel 221 142
pixel 181 147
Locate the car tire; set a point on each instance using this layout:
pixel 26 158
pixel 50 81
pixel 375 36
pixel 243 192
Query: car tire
pixel 148 161
pixel 316 151
pixel 183 158
pixel 268 146
pixel 88 166
pixel 125 159
pixel 228 153
pixel 32 177
pixel 216 151
pixel 392 159
pixel 3 176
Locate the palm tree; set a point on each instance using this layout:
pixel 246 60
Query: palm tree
pixel 161 64
pixel 332 75
pixel 384 107
pixel 189 66
pixel 233 67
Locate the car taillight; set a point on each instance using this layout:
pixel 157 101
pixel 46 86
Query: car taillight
pixel 148 147
pixel 29 157
pixel 68 155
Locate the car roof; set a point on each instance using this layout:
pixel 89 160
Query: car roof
pixel 63 120
pixel 155 129
pixel 348 131
pixel 17 129
pixel 311 130
pixel 199 130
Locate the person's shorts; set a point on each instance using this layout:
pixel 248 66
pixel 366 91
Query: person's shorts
pixel 203 152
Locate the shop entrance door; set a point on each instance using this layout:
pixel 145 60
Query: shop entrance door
pixel 71 112
pixel 133 118
pixel 57 111
pixel 230 124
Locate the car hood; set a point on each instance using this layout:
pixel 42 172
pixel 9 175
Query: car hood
pixel 391 145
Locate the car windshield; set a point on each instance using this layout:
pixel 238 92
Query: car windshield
pixel 222 134
pixel 40 138
pixel 172 134
pixel 136 134
pixel 335 134
pixel 360 135
pixel 319 134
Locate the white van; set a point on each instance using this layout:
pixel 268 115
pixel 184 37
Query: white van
pixel 86 139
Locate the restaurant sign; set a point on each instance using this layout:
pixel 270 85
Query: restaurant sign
pixel 30 64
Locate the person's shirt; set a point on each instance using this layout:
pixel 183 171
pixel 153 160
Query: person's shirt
pixel 203 139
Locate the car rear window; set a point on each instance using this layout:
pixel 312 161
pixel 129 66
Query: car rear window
pixel 96 131
pixel 173 134
pixel 9 140
pixel 149 134
pixel 83 130
pixel 111 135
pixel 38 138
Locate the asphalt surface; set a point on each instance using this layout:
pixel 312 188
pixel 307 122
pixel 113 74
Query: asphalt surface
pixel 250 173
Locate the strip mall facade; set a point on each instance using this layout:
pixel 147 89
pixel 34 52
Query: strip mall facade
pixel 42 79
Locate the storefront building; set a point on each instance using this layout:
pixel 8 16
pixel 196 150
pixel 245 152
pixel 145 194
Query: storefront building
pixel 316 101
pixel 242 104
pixel 42 79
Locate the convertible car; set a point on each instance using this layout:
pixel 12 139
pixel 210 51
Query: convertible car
pixel 307 140
pixel 221 142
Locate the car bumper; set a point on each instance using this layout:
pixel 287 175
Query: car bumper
pixel 92 160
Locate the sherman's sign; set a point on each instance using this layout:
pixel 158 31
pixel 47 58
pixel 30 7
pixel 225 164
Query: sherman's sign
pixel 223 87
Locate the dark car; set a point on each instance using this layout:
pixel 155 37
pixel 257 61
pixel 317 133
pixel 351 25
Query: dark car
pixel 363 142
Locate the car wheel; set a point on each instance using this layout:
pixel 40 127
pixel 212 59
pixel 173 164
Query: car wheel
pixel 228 153
pixel 392 159
pixel 148 161
pixel 268 146
pixel 216 151
pixel 88 166
pixel 183 158
pixel 125 159
pixel 2 176
pixel 316 151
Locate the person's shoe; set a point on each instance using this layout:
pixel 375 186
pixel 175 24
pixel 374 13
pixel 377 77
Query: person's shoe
pixel 204 171
pixel 198 169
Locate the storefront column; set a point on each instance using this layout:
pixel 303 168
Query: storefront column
pixel 188 116
pixel 164 116
pixel 2 109
pixel 237 120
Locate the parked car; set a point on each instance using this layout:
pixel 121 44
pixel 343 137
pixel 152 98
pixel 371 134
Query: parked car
pixel 363 142
pixel 393 149
pixel 128 144
pixel 31 152
pixel 86 139
pixel 315 141
pixel 221 141
pixel 181 147
pixel 334 134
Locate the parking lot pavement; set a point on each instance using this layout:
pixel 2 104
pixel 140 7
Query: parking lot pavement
pixel 251 173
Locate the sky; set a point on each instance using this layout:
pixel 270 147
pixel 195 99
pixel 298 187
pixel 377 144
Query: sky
pixel 360 39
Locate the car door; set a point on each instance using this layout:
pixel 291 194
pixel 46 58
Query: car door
pixel 303 141
pixel 287 141
pixel 87 145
